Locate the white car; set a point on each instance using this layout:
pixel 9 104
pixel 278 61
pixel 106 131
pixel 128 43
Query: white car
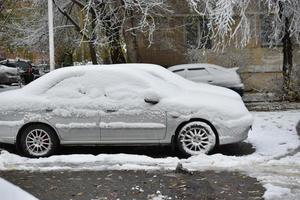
pixel 125 104
pixel 212 74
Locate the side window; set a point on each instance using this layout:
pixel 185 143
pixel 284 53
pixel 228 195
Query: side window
pixel 197 72
pixel 108 85
pixel 71 87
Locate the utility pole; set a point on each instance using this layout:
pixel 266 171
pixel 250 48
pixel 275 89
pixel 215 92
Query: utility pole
pixel 51 35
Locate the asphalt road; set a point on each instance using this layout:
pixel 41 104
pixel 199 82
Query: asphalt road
pixel 96 185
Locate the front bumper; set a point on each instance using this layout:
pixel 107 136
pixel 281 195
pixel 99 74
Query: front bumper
pixel 233 131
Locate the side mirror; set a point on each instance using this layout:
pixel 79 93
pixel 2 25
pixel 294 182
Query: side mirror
pixel 151 100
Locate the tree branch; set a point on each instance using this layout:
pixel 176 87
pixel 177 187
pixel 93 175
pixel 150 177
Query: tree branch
pixel 70 18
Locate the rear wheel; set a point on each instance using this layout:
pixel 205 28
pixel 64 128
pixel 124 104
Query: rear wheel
pixel 196 138
pixel 38 140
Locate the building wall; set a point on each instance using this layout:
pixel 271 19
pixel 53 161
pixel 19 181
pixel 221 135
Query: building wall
pixel 260 66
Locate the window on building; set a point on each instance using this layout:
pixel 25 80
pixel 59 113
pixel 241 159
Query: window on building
pixel 266 34
pixel 197 33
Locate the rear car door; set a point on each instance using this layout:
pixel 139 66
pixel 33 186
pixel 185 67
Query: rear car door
pixel 71 114
pixel 76 125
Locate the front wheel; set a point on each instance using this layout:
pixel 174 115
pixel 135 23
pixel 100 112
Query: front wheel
pixel 38 140
pixel 196 138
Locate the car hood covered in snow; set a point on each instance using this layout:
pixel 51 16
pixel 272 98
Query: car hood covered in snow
pixel 123 86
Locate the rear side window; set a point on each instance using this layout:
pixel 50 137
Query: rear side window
pixel 196 72
pixel 180 72
pixel 94 84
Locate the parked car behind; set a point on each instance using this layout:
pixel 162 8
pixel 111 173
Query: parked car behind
pixel 125 104
pixel 8 75
pixel 212 74
pixel 27 72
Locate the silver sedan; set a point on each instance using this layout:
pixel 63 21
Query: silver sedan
pixel 126 104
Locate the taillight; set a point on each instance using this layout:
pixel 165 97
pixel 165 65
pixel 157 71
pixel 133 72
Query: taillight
pixel 29 70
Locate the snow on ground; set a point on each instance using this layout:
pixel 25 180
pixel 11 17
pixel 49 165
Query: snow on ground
pixel 9 191
pixel 275 163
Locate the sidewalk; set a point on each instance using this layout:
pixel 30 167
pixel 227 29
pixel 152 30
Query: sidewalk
pixel 267 102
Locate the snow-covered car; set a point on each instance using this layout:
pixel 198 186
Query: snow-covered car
pixel 212 74
pixel 8 75
pixel 125 104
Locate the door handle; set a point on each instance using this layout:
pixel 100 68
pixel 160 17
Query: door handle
pixel 111 110
pixel 49 110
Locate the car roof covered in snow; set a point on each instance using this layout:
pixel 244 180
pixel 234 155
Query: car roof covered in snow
pixel 121 85
pixel 153 75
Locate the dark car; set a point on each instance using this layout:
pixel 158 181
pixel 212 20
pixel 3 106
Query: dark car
pixel 27 72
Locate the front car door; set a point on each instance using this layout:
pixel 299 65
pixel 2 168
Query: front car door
pixel 132 125
pixel 127 118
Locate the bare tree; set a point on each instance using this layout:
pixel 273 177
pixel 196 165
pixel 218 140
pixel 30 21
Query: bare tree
pixel 106 22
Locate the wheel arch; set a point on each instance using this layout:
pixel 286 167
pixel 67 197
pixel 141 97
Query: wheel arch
pixel 193 120
pixel 35 123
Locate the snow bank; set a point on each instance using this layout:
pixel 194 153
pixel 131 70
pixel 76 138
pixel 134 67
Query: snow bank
pixel 275 192
pixel 9 191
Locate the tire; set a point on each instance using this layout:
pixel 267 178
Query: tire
pixel 196 138
pixel 38 140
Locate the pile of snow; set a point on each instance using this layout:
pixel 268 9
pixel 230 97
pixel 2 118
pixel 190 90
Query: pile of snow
pixel 276 161
pixel 9 191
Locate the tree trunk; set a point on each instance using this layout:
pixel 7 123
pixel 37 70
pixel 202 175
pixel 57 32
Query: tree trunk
pixel 287 55
pixel 93 53
pixel 287 59
pixel 131 41
pixel 92 41
pixel 116 51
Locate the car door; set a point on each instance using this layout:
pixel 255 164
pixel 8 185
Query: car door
pixel 69 112
pixel 132 125
pixel 128 117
